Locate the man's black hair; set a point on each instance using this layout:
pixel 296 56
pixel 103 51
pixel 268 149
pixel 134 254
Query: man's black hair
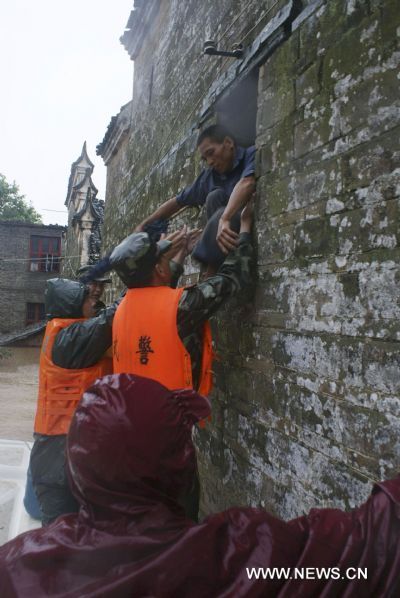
pixel 216 133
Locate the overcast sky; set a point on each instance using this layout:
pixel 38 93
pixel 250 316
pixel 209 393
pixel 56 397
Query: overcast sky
pixel 64 74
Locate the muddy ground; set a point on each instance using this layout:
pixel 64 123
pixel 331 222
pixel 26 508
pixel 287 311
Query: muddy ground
pixel 18 392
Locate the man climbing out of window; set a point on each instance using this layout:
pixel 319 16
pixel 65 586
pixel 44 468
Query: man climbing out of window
pixel 224 187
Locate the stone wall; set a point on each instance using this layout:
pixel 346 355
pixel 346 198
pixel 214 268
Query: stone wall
pixel 113 149
pixel 18 285
pixel 327 308
pixel 306 408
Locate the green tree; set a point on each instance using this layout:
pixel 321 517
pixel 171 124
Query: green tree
pixel 4 353
pixel 13 205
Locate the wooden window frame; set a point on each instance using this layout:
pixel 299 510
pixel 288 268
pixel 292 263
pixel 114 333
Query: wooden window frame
pixel 35 312
pixel 42 260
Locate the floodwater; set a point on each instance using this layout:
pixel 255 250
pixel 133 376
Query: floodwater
pixel 18 392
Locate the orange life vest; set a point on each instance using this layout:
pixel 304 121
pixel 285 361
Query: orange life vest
pixel 60 389
pixel 146 340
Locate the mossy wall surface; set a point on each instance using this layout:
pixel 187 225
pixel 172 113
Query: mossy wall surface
pixel 306 406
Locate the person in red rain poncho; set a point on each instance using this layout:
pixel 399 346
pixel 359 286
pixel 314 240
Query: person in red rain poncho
pixel 131 459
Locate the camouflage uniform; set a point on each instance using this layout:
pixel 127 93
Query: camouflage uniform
pixel 199 302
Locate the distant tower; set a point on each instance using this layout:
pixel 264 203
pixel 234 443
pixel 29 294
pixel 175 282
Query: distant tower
pixel 85 217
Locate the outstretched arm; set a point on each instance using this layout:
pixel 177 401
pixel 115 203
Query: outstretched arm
pixel 243 191
pixel 178 259
pixel 165 211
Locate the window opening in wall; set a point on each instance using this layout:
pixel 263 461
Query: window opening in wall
pixel 44 254
pixel 237 109
pixel 34 313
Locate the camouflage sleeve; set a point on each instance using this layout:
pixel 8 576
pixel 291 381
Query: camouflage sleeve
pixel 201 301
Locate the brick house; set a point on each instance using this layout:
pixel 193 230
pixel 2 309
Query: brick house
pixel 307 390
pixel 29 255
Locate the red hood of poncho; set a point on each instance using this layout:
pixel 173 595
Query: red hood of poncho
pixel 131 459
pixel 130 447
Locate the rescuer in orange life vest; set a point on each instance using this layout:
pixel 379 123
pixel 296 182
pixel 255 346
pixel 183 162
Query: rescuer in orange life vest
pixel 171 341
pixel 71 358
pixel 163 333
pixel 95 285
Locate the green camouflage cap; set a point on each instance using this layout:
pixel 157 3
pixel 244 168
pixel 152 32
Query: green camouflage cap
pixel 135 257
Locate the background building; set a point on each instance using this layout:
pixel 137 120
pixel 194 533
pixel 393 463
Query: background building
pixel 85 217
pixel 29 255
pixel 306 406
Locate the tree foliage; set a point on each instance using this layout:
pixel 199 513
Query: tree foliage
pixel 4 353
pixel 13 205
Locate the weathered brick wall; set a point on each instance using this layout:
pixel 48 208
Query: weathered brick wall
pixel 306 405
pixel 19 286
